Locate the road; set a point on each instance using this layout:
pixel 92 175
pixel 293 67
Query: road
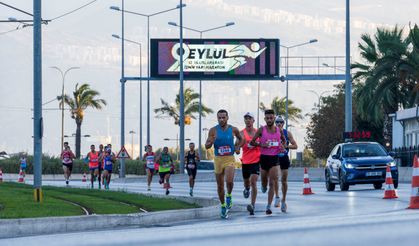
pixel 357 217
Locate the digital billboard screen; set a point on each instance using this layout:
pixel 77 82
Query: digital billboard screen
pixel 209 59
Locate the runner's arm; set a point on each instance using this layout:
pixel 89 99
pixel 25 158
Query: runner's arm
pixel 293 143
pixel 256 136
pixel 197 158
pixel 239 140
pixel 243 141
pixel 211 138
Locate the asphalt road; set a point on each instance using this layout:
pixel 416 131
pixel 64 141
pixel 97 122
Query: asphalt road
pixel 357 217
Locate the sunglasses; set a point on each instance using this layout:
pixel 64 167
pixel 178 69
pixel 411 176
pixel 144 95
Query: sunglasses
pixel 279 122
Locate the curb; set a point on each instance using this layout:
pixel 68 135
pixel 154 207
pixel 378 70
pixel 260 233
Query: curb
pixel 51 225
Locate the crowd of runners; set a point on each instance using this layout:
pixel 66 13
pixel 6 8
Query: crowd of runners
pixel 264 153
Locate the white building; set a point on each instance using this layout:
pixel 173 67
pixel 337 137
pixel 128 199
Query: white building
pixel 406 128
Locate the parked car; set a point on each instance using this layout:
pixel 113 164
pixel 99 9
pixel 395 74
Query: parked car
pixel 359 163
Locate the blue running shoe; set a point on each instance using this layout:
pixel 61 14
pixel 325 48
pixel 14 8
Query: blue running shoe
pixel 264 189
pixel 224 214
pixel 229 201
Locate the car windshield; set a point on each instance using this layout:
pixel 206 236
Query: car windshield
pixel 361 150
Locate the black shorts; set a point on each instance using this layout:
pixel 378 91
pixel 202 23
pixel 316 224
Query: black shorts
pixel 69 166
pixel 163 174
pixel 268 161
pixel 191 172
pixel 249 169
pixel 284 162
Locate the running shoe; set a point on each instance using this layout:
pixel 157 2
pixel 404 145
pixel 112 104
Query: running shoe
pixel 224 214
pixel 160 181
pixel 99 186
pixel 251 209
pixel 148 188
pixel 167 192
pixel 66 182
pixel 229 201
pixel 276 202
pixel 268 210
pixel 191 192
pixel 283 207
pixel 264 189
pixel 246 193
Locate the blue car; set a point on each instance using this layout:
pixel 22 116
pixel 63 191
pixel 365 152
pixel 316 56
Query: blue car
pixel 359 163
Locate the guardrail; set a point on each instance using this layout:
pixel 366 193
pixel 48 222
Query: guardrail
pixel 404 155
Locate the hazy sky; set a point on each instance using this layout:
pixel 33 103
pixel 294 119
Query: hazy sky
pixel 84 39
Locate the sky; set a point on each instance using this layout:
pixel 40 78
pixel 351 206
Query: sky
pixel 83 39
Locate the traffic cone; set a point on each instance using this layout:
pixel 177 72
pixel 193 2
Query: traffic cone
pixel 20 179
pixel 389 192
pixel 1 176
pixel 414 198
pixel 307 187
pixel 84 179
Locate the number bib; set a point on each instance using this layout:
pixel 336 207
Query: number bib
pixel 224 150
pixel 191 166
pixel 150 162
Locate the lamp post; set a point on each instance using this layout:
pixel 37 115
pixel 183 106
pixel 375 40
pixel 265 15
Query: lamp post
pixel 286 73
pixel 63 74
pixel 177 144
pixel 132 132
pixel 141 92
pixel 318 96
pixel 348 79
pixel 200 81
pixel 148 52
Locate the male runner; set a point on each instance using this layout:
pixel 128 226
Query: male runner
pixel 284 163
pixel 108 160
pixel 93 159
pixel 270 146
pixel 250 161
pixel 222 137
pixel 149 158
pixel 101 162
pixel 165 164
pixel 191 160
pixel 67 157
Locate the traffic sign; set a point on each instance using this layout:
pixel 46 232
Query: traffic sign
pixel 123 153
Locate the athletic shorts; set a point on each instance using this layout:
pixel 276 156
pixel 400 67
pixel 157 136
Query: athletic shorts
pixel 191 172
pixel 151 170
pixel 268 161
pixel 284 162
pixel 249 169
pixel 69 166
pixel 93 168
pixel 221 162
pixel 23 168
pixel 108 168
pixel 163 174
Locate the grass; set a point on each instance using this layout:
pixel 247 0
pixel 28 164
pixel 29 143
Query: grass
pixel 16 201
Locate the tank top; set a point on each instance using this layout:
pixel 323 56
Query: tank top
pixel 224 143
pixel 23 162
pixel 164 165
pixel 93 159
pixel 149 160
pixel 272 139
pixel 282 154
pixel 107 161
pixel 191 162
pixel 251 154
pixel 67 157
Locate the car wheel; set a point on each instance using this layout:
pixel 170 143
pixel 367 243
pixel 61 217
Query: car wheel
pixel 396 184
pixel 343 185
pixel 329 185
pixel 378 186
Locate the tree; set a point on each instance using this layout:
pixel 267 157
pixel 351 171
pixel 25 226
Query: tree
pixel 83 98
pixel 191 107
pixel 279 106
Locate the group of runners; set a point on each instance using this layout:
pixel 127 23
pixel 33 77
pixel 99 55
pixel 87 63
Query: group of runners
pixel 265 151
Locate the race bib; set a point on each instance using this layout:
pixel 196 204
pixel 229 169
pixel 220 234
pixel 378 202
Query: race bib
pixel 108 163
pixel 224 150
pixel 273 144
pixel 191 166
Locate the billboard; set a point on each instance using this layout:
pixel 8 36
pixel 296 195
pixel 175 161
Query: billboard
pixel 215 59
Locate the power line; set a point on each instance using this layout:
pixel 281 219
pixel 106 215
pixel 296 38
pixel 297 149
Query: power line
pixel 72 11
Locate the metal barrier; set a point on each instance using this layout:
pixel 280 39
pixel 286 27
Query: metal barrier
pixel 404 155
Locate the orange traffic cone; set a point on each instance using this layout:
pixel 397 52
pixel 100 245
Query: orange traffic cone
pixel 389 192
pixel 84 179
pixel 307 187
pixel 1 176
pixel 20 179
pixel 414 198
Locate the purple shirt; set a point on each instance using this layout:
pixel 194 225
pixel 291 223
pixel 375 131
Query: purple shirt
pixel 272 139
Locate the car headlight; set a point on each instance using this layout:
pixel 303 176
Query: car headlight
pixel 392 163
pixel 349 165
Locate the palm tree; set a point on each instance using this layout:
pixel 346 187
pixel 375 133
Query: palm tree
pixel 83 98
pixel 191 107
pixel 279 107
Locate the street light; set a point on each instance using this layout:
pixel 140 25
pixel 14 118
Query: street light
pixel 63 74
pixel 132 132
pixel 200 81
pixel 318 96
pixel 177 143
pixel 286 73
pixel 116 8
pixel 141 91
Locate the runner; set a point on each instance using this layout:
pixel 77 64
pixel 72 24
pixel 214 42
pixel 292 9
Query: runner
pixel 23 164
pixel 165 164
pixel 101 163
pixel 108 161
pixel 93 159
pixel 149 159
pixel 191 160
pixel 284 163
pixel 222 137
pixel 250 161
pixel 270 146
pixel 67 157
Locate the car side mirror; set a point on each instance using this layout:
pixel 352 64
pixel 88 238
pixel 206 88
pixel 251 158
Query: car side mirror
pixel 335 157
pixel 392 153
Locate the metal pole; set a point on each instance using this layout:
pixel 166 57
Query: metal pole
pixel 141 104
pixel 62 113
pixel 286 91
pixel 258 104
pixel 348 82
pixel 148 80
pixel 122 160
pixel 200 112
pixel 181 98
pixel 37 100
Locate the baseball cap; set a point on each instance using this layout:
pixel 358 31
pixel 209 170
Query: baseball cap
pixel 279 119
pixel 249 114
